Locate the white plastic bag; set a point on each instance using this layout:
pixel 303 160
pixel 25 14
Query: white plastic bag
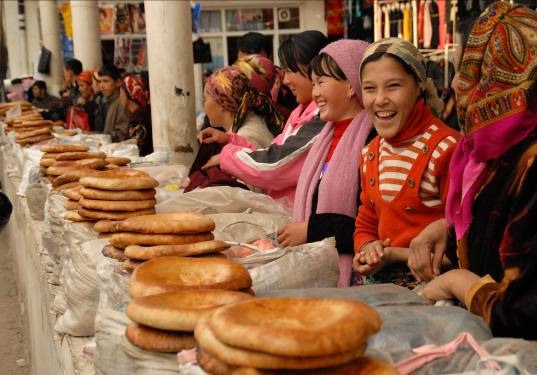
pixel 120 149
pixel 110 359
pixel 81 289
pixel 148 363
pixel 247 226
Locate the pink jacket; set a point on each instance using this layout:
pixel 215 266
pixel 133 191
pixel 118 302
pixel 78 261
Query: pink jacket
pixel 277 167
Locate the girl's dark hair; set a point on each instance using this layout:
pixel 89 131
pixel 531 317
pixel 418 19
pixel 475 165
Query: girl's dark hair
pixel 324 65
pixel 378 55
pixel 464 27
pixel 300 49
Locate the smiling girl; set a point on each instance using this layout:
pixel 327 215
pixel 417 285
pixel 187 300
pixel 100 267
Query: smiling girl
pixel 404 169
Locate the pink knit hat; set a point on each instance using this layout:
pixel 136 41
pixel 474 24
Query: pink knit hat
pixel 348 55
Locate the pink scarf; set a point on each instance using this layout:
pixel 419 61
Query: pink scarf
pixel 338 189
pixel 469 163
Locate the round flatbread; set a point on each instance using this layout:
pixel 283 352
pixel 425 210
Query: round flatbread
pixel 96 204
pixel 36 139
pixel 63 148
pixel 213 365
pixel 104 235
pixel 51 155
pixel 129 265
pixel 198 248
pixel 159 341
pixel 73 193
pixel 61 167
pixel 179 223
pixel 127 179
pixel 122 240
pixel 117 160
pixel 71 205
pixel 75 216
pixel 171 274
pixel 296 327
pixel 30 123
pixel 47 162
pixel 126 195
pixel 33 133
pixel 106 226
pixel 112 215
pixel 43 170
pixel 66 186
pixel 114 253
pixel 77 155
pixel 72 175
pixel 180 311
pixel 110 167
pixel 246 358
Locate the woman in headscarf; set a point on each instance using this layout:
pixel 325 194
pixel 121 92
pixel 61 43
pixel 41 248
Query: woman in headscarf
pixel 492 201
pixel 134 97
pixel 326 200
pixel 81 114
pixel 276 168
pixel 404 170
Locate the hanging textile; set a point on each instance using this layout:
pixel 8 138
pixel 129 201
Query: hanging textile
pixel 435 25
pixel 406 24
pixel 427 27
pixel 335 16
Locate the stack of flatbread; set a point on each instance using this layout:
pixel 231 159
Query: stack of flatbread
pixel 26 107
pixel 288 335
pixel 142 238
pixel 165 322
pixel 32 131
pixel 113 194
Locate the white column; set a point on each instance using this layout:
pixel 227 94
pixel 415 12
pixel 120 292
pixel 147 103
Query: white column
pixel 171 78
pixel 31 12
pixel 86 33
pixel 49 15
pixel 15 40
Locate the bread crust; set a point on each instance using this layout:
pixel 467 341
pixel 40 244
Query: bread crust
pixel 194 249
pixel 126 179
pixel 171 274
pixel 159 341
pixel 179 223
pixel 63 148
pixel 121 195
pixel 95 204
pixel 112 215
pixel 124 239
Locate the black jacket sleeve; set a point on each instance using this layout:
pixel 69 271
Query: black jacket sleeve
pixel 321 226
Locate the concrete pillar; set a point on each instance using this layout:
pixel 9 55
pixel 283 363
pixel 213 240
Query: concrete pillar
pixel 49 15
pixel 33 46
pixel 15 39
pixel 86 33
pixel 171 78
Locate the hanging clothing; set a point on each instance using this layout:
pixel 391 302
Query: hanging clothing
pixel 407 31
pixel 427 26
pixel 387 24
pixel 421 22
pixel 435 36
pixel 442 19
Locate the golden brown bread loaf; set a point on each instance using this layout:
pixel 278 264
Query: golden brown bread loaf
pixel 159 341
pixel 178 223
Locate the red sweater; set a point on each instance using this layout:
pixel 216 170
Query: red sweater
pixel 404 214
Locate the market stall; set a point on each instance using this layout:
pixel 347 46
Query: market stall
pixel 94 250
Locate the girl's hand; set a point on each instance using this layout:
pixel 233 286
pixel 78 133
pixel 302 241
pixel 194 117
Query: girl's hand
pixel 371 257
pixel 293 234
pixel 214 161
pixel 451 285
pixel 211 135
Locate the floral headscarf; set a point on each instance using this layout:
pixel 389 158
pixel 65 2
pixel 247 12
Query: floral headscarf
pixel 497 69
pixel 136 89
pixel 231 90
pixel 262 74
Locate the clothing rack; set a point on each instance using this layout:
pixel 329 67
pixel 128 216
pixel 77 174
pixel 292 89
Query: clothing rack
pixel 447 49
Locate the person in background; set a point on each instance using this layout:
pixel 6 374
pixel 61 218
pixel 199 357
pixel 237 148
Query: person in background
pixel 134 96
pixel 111 117
pixel 253 43
pixel 489 229
pixel 69 91
pixel 82 113
pixel 404 170
pixel 327 193
pixel 42 99
pixel 277 167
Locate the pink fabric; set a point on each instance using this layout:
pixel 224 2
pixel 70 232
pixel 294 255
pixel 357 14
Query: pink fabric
pixel 185 357
pixel 280 181
pixel 442 22
pixel 469 162
pixel 427 27
pixel 345 270
pixel 348 55
pixel 338 189
pixel 429 353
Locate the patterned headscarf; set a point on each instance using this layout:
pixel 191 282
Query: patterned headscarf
pixel 262 74
pixel 85 76
pixel 497 69
pixel 230 89
pixel 136 89
pixel 412 57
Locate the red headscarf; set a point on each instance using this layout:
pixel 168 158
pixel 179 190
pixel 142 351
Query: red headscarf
pixel 136 89
pixel 85 76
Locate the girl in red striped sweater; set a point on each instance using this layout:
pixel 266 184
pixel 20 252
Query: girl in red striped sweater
pixel 404 169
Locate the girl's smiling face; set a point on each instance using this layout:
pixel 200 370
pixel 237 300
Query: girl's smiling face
pixel 389 94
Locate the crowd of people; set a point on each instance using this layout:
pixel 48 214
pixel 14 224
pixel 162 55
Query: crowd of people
pixel 366 158
pixel 349 135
